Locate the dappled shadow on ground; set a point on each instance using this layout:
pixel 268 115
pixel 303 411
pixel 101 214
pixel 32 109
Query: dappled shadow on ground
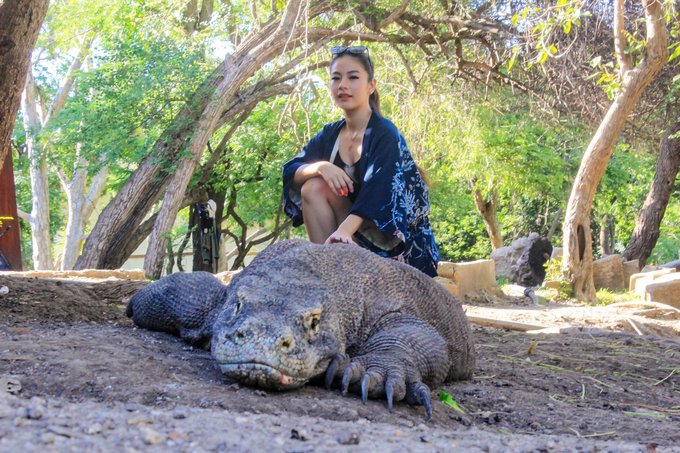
pixel 66 345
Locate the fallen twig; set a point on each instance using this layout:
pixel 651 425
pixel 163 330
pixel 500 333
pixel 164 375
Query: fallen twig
pixel 499 324
pixel 643 304
pixel 634 326
pixel 662 380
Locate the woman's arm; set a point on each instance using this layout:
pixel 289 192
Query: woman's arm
pixel 335 177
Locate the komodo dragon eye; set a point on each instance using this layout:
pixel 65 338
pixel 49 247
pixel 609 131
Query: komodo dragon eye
pixel 235 310
pixel 312 320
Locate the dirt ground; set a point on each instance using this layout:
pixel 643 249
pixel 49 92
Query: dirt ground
pixel 76 375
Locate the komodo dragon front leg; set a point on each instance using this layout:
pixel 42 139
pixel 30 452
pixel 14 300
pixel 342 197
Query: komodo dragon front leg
pixel 400 359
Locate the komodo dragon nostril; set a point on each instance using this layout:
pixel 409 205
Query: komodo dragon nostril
pixel 285 343
pixel 236 337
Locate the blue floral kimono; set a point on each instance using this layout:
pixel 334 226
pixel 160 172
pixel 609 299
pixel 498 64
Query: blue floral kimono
pixel 393 199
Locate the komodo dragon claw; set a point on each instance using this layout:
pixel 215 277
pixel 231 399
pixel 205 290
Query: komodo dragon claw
pixel 339 361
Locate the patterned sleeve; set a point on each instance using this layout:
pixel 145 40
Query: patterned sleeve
pixel 395 197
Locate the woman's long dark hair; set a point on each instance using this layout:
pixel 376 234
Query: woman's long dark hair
pixel 365 60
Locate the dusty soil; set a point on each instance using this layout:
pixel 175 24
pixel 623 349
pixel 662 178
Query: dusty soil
pixel 76 375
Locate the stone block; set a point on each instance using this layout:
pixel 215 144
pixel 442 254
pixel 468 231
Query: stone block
pixel 445 269
pixel 554 284
pixel 608 273
pixel 665 290
pixel 630 268
pixel 474 276
pixel 449 285
pixel 639 281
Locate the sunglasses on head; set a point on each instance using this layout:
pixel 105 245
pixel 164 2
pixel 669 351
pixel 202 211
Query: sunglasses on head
pixel 356 50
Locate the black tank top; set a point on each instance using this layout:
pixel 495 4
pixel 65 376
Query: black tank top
pixel 351 170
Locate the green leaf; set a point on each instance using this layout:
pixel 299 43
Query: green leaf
pixel 544 57
pixel 675 54
pixel 566 27
pixel 449 401
pixel 646 414
pixel 515 20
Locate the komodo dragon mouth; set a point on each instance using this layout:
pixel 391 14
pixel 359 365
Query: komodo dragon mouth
pixel 261 375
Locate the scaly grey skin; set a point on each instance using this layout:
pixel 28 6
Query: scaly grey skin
pixel 374 326
pixel 180 304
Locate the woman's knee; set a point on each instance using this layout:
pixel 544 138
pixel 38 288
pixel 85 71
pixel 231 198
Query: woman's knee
pixel 314 189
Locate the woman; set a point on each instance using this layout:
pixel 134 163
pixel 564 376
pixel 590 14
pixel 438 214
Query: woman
pixel 355 182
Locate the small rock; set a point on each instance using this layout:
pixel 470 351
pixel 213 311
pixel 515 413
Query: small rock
pixel 179 415
pixel 176 437
pixel 151 436
pixel 10 385
pixel 48 438
pixel 4 290
pixel 139 421
pixel 298 435
pixel 94 429
pixel 348 439
pixel 35 413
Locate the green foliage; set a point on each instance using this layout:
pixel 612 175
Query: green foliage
pixel 668 246
pixel 607 297
pixel 273 133
pixel 447 399
pixel 553 272
pixel 623 190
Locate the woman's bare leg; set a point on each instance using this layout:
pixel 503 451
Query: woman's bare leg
pixel 323 210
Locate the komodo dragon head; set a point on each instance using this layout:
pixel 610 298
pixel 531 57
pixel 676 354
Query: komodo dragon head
pixel 274 332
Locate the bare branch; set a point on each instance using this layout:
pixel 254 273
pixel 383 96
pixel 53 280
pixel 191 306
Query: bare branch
pixel 24 215
pixel 407 66
pixel 62 94
pixel 625 60
pixel 395 14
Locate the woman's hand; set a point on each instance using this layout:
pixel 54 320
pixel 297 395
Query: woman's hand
pixel 345 232
pixel 336 178
pixel 339 237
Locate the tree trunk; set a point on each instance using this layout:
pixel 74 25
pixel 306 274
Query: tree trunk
pixel 40 194
pixel 648 221
pixel 40 212
pixel 555 223
pixel 577 264
pixel 487 209
pixel 606 236
pixel 80 207
pixel 20 22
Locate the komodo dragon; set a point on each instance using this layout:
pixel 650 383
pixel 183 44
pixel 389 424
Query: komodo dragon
pixel 377 327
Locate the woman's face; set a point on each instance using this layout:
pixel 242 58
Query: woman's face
pixel 350 87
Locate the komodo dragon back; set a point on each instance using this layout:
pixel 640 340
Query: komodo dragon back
pixel 370 325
